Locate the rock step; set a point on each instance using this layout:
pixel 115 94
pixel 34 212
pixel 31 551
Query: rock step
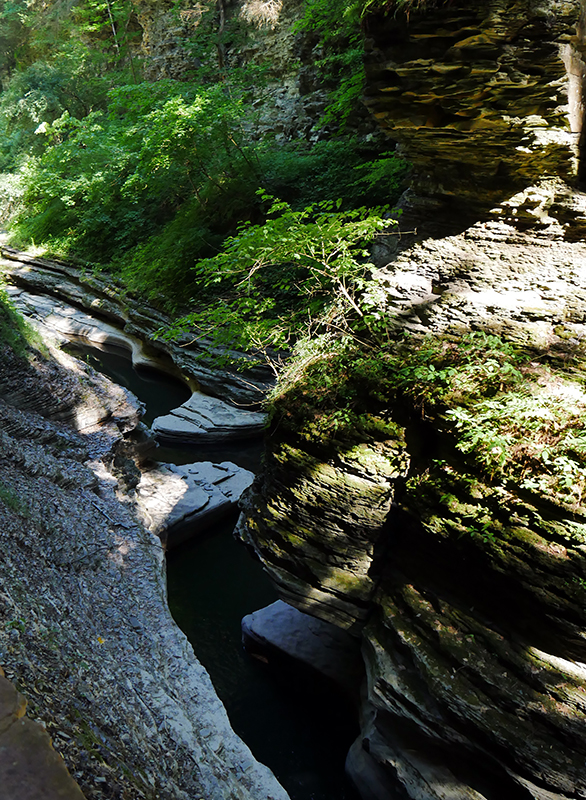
pixel 29 767
pixel 203 417
pixel 177 502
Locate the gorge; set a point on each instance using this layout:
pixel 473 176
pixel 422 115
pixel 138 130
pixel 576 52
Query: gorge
pixel 423 479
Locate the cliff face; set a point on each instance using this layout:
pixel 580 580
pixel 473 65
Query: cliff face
pixel 290 98
pixel 484 97
pixel 465 583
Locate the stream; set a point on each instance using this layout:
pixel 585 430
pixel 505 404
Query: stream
pixel 294 720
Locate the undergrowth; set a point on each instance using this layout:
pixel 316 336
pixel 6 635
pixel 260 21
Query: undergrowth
pixel 514 416
pixel 14 330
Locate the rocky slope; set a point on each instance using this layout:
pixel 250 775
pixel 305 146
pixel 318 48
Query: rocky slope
pixel 86 633
pixel 454 543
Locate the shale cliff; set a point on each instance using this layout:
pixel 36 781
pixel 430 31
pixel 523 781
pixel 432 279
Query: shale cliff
pixel 86 634
pixel 452 540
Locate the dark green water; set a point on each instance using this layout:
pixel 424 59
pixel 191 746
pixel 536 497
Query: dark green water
pixel 160 393
pixel 293 720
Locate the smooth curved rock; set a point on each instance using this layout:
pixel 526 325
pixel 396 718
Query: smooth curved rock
pixel 65 323
pixel 201 417
pixel 132 324
pixel 207 418
pixel 177 502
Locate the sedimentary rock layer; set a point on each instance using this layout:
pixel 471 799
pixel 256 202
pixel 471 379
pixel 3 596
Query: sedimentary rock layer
pixel 484 97
pixel 468 589
pixel 86 633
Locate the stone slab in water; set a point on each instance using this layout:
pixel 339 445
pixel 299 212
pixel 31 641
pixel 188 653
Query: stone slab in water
pixel 176 501
pixel 317 643
pixel 207 418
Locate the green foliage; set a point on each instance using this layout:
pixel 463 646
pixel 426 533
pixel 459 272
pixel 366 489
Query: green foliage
pixel 533 433
pixel 41 94
pixel 14 331
pixel 513 417
pixel 111 180
pixel 366 370
pixel 11 500
pixel 352 171
pixel 300 269
pixel 337 26
pixel 15 20
pixel 68 59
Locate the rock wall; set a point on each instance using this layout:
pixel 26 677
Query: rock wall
pixel 290 98
pixel 85 631
pixel 466 586
pixel 484 98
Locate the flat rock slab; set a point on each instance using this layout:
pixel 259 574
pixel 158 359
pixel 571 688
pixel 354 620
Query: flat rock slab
pixel 29 767
pixel 207 418
pixel 318 644
pixel 177 501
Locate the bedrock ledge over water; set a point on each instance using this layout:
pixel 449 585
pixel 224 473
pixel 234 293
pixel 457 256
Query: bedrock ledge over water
pixel 86 633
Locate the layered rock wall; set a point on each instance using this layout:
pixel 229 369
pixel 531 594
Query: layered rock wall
pixel 86 633
pixel 480 88
pixel 471 601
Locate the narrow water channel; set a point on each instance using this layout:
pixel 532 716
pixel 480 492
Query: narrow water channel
pixel 294 721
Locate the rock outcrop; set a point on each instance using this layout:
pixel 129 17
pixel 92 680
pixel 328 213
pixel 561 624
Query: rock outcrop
pixel 209 419
pixel 315 643
pixel 465 582
pixel 86 634
pixel 484 98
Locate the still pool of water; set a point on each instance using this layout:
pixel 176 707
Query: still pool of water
pixel 159 392
pixel 296 723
